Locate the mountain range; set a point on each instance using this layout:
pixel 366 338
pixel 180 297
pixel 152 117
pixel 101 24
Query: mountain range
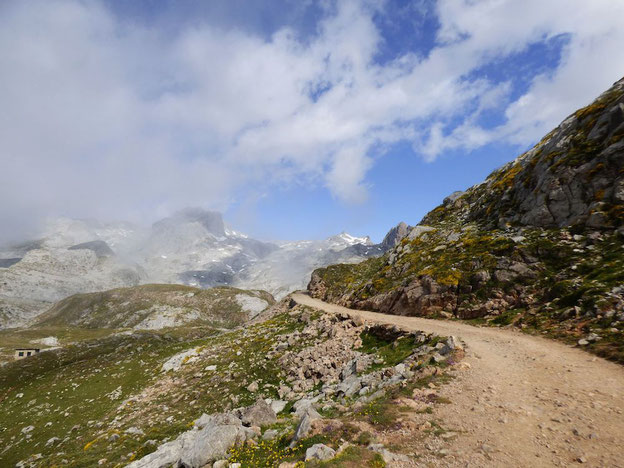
pixel 193 247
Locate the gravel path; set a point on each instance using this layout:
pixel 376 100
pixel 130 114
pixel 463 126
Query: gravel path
pixel 522 401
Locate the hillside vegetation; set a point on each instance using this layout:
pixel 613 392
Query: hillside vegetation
pixel 156 306
pixel 537 245
pixel 297 379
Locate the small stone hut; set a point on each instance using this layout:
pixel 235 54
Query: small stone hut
pixel 21 353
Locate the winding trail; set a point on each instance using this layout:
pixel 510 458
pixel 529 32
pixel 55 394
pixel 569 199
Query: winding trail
pixel 522 401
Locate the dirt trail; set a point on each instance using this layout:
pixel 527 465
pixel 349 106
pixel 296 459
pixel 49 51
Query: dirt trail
pixel 524 401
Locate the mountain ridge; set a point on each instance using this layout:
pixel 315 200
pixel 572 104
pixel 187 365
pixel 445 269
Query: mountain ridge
pixel 536 245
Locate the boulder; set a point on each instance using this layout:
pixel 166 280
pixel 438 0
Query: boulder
pixel 253 387
pixel 259 414
pixel 278 405
pixel 305 424
pixel 270 434
pixel 167 454
pixel 209 441
pixel 350 386
pixel 320 452
pixel 52 441
pixel 210 444
pixel 454 344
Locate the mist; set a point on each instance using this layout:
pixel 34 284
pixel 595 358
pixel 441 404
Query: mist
pixel 112 119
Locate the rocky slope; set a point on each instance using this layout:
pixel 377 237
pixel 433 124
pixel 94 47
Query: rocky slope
pixel 301 384
pixel 47 274
pixel 192 247
pixel 157 306
pixel 538 244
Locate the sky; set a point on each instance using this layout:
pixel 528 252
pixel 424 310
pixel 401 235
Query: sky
pixel 297 119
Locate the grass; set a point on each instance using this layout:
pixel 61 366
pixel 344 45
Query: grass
pixel 506 318
pixel 92 381
pixel 352 457
pixel 267 454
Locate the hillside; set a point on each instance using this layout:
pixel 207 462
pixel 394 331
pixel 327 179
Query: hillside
pixel 157 306
pixel 302 382
pixel 537 245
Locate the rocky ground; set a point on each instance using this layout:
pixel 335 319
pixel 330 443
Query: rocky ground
pixel 299 385
pixel 519 400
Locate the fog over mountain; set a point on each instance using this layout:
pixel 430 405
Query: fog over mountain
pixel 193 247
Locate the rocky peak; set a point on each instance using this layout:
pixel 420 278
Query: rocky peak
pixel 212 221
pixel 394 236
pixel 345 239
pixel 573 177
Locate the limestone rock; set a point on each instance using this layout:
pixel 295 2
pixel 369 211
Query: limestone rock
pixel 320 452
pixel 305 424
pixel 259 414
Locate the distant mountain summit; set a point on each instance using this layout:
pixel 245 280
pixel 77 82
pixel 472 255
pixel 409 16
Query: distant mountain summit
pixel 211 221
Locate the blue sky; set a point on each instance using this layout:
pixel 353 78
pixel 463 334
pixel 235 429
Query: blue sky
pixel 297 119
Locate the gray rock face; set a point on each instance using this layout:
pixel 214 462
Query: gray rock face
pixel 394 236
pixel 417 231
pixel 320 452
pixel 209 441
pixel 259 414
pixel 167 454
pixel 453 197
pixel 278 405
pixel 305 424
pixel 270 434
pixel 572 177
pixel 350 386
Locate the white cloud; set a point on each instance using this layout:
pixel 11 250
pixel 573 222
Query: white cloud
pixel 106 118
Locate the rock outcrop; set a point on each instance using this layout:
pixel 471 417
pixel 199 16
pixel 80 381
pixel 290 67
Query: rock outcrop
pixel 207 442
pixel 573 177
pixel 537 244
pixel 394 236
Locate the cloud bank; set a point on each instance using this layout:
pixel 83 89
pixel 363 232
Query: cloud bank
pixel 109 118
